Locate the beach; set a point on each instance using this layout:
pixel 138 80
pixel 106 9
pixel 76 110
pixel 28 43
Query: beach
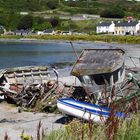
pixel 14 123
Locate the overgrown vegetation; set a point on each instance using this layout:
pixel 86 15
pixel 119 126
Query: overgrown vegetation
pixel 78 6
pixel 127 129
pixel 11 19
pixel 77 130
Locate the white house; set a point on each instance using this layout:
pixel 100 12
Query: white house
pixel 23 32
pixel 127 28
pixel 66 33
pixel 46 32
pixel 105 27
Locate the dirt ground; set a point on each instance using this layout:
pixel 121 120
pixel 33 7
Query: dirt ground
pixel 13 123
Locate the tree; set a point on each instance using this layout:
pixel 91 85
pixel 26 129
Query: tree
pixel 54 22
pixel 43 26
pixel 26 22
pixel 12 20
pixel 39 20
pixel 115 12
pixel 52 4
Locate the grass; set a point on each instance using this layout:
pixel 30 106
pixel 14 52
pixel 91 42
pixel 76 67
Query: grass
pixel 77 130
pixel 102 38
pixel 112 129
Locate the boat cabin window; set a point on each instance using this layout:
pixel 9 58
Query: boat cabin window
pixel 101 79
pixel 115 76
pixel 87 79
pixel 118 73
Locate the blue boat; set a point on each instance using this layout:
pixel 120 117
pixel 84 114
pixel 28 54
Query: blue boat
pixel 86 111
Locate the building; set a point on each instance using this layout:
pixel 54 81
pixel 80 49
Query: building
pixel 127 28
pixel 105 27
pixel 46 32
pixel 66 33
pixel 23 32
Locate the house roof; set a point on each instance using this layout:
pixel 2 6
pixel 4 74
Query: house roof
pixel 48 31
pixel 65 31
pixel 104 24
pixel 22 31
pixel 131 23
pixel 98 61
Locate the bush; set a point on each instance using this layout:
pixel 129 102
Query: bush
pixel 115 12
pixel 52 4
pixel 26 22
pixel 54 22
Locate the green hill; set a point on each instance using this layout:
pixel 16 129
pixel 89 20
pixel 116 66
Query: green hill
pixel 77 6
pixel 11 18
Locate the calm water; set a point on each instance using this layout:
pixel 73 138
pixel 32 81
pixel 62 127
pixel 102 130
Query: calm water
pixel 15 54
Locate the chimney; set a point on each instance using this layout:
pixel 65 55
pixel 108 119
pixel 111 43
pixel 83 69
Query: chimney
pixel 129 19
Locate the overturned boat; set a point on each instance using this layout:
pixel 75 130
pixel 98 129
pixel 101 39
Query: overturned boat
pixel 86 111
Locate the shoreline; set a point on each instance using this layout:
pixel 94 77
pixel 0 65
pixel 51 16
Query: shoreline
pixel 43 41
pixel 34 40
pixel 113 39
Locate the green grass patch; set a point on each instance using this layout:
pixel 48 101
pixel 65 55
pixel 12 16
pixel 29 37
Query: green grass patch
pixel 103 38
pixel 128 129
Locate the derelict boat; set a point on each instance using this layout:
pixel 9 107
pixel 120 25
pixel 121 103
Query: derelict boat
pixel 86 111
pixel 95 68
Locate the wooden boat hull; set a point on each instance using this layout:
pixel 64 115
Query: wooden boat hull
pixel 84 110
pixel 26 75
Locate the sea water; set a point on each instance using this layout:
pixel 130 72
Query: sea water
pixel 61 53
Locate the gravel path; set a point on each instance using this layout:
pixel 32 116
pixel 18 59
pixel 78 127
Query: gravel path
pixel 13 123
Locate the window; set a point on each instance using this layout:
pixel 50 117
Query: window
pixel 87 79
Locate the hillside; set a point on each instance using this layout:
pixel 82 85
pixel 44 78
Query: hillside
pixel 77 6
pixel 56 14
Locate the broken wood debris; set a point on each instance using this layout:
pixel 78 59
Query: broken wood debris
pixel 32 87
pixel 45 94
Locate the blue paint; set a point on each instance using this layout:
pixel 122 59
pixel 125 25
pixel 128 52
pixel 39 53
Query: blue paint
pixel 105 112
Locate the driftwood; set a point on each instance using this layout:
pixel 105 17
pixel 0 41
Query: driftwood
pixel 31 96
